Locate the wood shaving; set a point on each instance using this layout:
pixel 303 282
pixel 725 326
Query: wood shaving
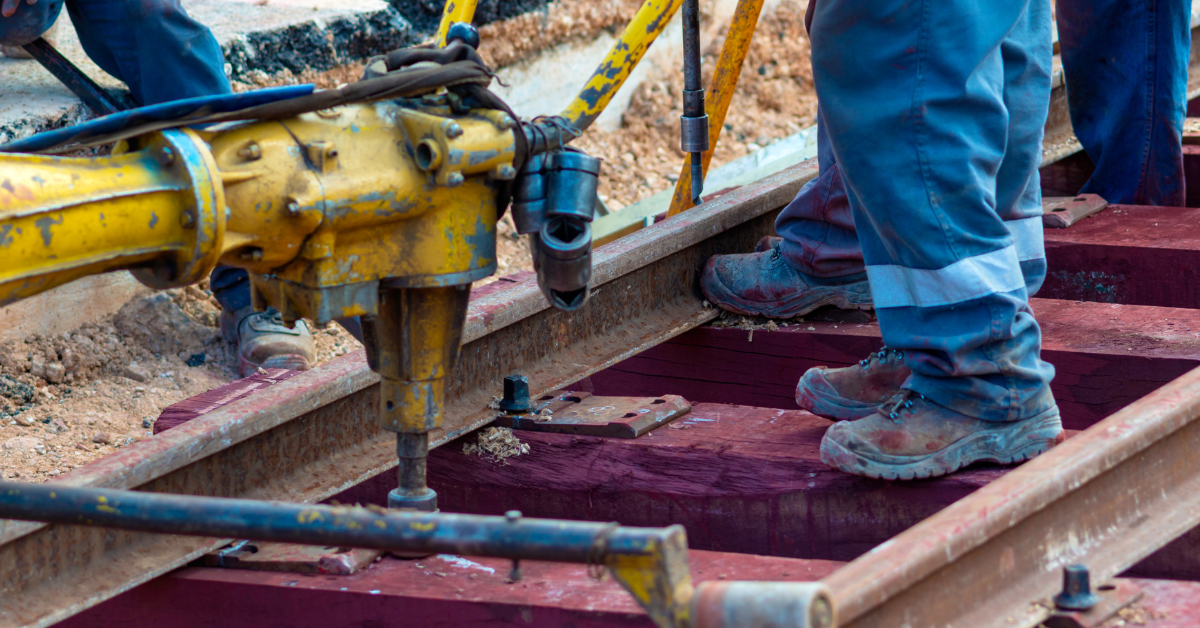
pixel 494 443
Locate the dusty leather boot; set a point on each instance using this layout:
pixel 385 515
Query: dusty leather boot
pixel 764 284
pixel 911 437
pixel 263 341
pixel 853 392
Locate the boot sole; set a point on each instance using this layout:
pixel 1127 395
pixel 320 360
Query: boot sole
pixel 806 302
pixel 1026 439
pixel 289 361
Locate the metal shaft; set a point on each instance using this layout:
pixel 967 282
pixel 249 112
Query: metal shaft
pixel 92 95
pixel 473 535
pixel 412 450
pixel 693 122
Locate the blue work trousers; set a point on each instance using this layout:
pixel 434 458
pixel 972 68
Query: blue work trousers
pixel 934 113
pixel 1126 66
pixel 160 53
pixel 153 46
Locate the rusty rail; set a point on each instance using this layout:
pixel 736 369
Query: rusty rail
pixel 316 434
pixel 1106 498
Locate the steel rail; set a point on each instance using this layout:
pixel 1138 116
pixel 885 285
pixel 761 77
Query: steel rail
pixel 1106 498
pixel 316 434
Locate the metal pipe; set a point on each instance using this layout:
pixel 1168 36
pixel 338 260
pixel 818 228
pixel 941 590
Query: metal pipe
pixel 454 11
pixel 721 89
pixel 95 97
pixel 512 537
pixel 626 52
pixel 693 123
pixel 411 492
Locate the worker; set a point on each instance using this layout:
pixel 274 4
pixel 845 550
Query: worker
pixel 928 208
pixel 162 54
pixel 1126 66
pixel 1134 137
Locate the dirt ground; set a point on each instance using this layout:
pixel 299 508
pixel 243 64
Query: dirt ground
pixel 66 400
pixel 69 399
pixel 775 99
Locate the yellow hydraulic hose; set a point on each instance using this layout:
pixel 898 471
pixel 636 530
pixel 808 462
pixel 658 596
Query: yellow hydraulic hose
pixel 641 31
pixel 720 93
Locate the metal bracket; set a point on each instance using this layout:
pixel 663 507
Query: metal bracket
pixel 290 557
pixel 1062 212
pixel 577 412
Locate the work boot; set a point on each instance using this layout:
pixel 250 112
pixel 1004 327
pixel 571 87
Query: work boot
pixel 764 284
pixel 911 437
pixel 853 392
pixel 263 341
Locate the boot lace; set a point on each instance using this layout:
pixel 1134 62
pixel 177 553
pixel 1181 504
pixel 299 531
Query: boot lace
pixel 882 356
pixel 899 404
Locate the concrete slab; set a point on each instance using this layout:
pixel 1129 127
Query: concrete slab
pixel 68 306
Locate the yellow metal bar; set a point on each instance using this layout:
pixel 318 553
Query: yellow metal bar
pixel 720 93
pixel 159 210
pixel 455 11
pixel 645 27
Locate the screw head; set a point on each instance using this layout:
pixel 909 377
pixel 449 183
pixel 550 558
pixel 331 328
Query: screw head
pixel 293 208
pixel 506 173
pixel 512 516
pixel 454 130
pixel 187 220
pixel 166 156
pixel 507 122
pixel 454 179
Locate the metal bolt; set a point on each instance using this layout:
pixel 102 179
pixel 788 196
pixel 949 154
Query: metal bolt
pixel 515 574
pixel 166 156
pixel 250 152
pixel 1077 590
pixel 453 130
pixel 187 220
pixel 454 179
pixel 507 122
pixel 512 516
pixel 516 395
pixel 293 208
pixel 506 173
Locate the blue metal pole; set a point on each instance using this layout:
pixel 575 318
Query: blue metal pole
pixel 510 536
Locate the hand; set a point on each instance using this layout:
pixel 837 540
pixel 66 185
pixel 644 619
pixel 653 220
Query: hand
pixel 9 7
